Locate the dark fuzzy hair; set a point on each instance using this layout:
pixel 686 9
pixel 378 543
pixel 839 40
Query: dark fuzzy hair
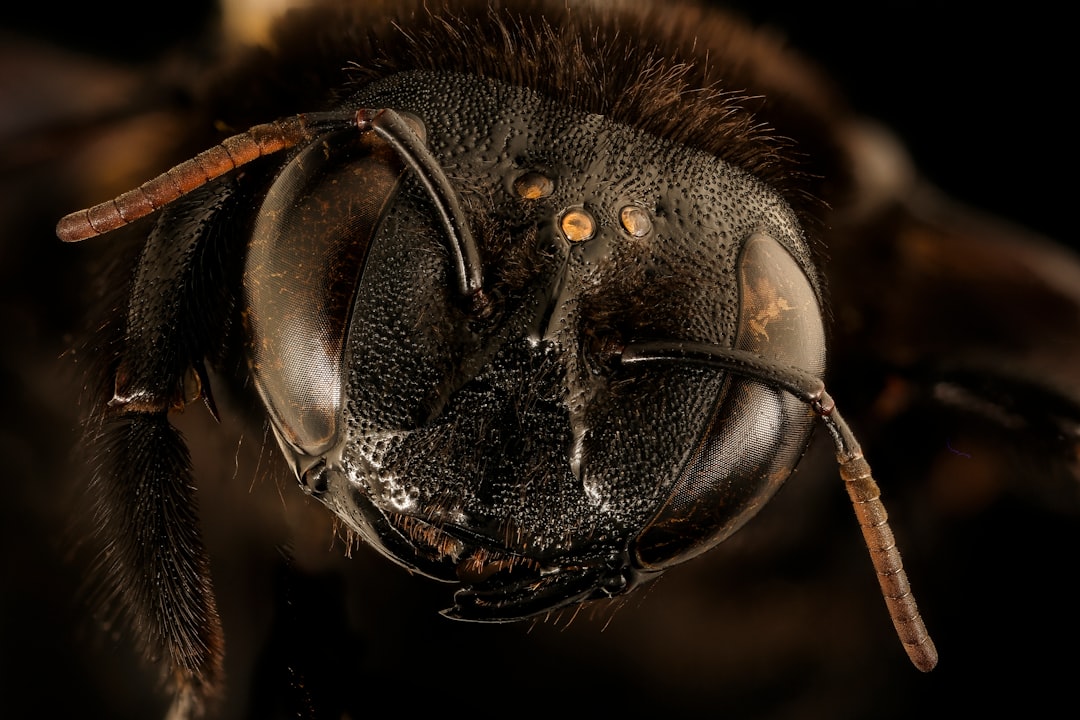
pixel 676 70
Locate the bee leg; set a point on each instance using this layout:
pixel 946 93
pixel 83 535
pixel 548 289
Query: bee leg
pixel 153 555
pixel 154 565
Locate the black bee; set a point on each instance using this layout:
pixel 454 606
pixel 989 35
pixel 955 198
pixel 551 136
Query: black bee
pixel 535 299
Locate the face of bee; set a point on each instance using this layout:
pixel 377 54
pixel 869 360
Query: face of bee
pixel 511 450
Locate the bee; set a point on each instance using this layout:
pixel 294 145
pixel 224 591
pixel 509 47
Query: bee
pixel 531 297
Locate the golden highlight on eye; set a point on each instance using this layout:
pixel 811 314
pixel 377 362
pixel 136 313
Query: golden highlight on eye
pixel 635 221
pixel 534 185
pixel 578 225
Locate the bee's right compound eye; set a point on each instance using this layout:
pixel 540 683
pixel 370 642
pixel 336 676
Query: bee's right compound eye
pixel 310 240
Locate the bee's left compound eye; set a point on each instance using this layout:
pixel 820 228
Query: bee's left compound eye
pixel 758 431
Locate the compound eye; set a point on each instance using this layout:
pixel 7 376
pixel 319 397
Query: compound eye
pixel 757 432
pixel 779 315
pixel 307 251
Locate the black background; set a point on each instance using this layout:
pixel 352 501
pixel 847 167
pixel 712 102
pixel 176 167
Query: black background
pixel 781 622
